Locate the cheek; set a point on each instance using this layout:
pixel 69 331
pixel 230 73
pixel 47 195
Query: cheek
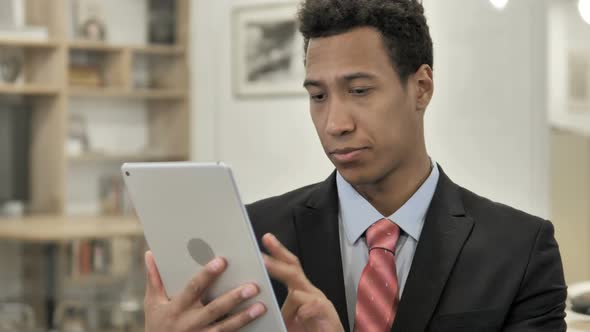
pixel 391 128
pixel 319 123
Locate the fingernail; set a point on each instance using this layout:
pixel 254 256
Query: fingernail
pixel 215 265
pixel 256 310
pixel 249 291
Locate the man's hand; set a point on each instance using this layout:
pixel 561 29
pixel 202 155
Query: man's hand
pixel 187 311
pixel 306 308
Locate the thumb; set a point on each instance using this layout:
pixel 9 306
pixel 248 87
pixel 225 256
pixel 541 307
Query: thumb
pixel 154 288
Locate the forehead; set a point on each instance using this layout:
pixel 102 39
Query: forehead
pixel 358 50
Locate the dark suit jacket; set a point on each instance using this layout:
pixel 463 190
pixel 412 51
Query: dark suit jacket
pixel 479 265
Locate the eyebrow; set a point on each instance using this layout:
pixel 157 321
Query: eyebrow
pixel 347 77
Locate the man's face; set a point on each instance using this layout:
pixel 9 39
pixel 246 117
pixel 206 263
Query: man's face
pixel 367 121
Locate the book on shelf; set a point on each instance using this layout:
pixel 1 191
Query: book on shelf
pixel 85 76
pixel 89 257
pixel 113 196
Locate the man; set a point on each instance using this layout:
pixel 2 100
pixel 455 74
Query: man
pixel 387 242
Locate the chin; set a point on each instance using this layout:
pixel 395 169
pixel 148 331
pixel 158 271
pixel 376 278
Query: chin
pixel 357 176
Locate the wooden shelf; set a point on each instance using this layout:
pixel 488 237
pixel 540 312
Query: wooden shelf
pixel 94 46
pixel 122 93
pixel 29 90
pixel 158 49
pixel 94 280
pixel 159 94
pixel 28 43
pixel 140 49
pixel 63 228
pixel 99 157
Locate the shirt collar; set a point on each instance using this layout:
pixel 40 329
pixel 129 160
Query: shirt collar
pixel 357 214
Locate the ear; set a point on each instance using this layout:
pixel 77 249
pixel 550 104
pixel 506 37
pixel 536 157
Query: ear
pixel 423 79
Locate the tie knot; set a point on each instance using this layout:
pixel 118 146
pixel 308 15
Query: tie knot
pixel 383 234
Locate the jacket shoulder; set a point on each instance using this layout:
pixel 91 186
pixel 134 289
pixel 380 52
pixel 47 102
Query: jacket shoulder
pixel 500 216
pixel 279 207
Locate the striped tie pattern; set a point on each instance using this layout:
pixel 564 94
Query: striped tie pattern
pixel 378 292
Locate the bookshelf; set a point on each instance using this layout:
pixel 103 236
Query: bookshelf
pixel 53 84
pixel 48 88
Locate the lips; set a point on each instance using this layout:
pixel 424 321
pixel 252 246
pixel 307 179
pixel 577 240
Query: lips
pixel 348 155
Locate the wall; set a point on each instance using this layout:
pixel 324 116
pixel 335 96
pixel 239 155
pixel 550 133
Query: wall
pixel 567 32
pixel 570 189
pixel 487 122
pixel 270 142
pixel 570 149
pixel 486 125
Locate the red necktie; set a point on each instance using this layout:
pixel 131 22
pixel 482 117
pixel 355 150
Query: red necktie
pixel 378 293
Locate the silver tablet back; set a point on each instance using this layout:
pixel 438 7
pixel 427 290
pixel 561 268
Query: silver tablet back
pixel 191 212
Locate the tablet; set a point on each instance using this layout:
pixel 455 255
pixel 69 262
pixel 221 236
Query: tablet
pixel 191 213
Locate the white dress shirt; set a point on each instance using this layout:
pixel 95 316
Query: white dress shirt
pixel 356 214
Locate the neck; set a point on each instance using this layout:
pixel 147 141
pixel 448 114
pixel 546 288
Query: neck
pixel 395 189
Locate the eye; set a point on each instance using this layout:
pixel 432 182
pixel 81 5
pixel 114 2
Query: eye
pixel 359 91
pixel 318 97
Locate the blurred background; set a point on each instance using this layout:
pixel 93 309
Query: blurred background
pixel 86 85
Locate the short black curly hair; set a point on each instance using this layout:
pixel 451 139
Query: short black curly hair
pixel 402 23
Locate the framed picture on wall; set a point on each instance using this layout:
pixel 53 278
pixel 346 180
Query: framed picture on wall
pixel 267 51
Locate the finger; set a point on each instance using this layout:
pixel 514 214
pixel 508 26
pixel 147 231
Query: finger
pixel 290 275
pixel 219 307
pixel 155 292
pixel 199 284
pixel 295 299
pixel 278 250
pixel 239 320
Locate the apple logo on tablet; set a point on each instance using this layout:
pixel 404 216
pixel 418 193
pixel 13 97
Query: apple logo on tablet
pixel 200 251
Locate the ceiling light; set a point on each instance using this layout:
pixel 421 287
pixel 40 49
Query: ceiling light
pixel 500 4
pixel 584 8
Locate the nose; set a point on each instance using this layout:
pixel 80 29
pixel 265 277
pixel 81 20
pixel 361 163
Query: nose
pixel 340 121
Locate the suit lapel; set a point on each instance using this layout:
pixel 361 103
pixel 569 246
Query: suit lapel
pixel 316 225
pixel 445 231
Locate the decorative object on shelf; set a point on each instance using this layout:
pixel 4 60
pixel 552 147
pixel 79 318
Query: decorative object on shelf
pixel 88 20
pixel 11 65
pixel 162 27
pixel 268 53
pixel 72 318
pixel 12 209
pixel 94 30
pixel 78 142
pixel 16 317
pixel 579 80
